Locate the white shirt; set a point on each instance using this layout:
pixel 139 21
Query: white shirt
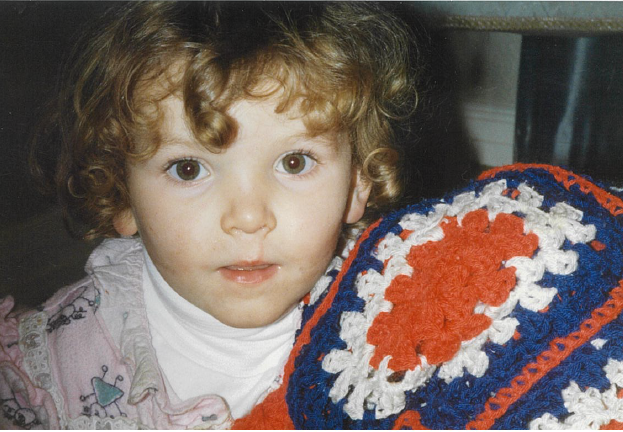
pixel 199 355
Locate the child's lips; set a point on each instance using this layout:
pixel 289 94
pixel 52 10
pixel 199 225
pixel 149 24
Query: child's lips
pixel 249 273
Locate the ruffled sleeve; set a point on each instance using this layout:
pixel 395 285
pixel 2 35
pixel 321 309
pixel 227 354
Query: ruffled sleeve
pixel 9 334
pixel 24 406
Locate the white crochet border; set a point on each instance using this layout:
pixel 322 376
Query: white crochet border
pixel 588 408
pixel 366 388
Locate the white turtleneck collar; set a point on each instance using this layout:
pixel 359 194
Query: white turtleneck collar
pixel 200 355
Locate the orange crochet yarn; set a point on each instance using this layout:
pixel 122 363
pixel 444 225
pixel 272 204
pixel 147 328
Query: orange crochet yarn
pixel 559 349
pixel 450 277
pixel 496 307
pixel 409 420
pixel 613 425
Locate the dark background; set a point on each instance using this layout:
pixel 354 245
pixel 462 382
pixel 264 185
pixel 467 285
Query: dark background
pixel 37 256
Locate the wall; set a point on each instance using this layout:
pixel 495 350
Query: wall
pixel 37 256
pixel 488 65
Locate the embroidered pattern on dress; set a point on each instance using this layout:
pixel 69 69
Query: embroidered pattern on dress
pixel 22 417
pixel 33 343
pixel 87 299
pixel 375 371
pixel 105 394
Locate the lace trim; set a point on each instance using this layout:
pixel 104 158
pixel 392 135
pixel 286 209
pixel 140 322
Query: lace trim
pixel 118 423
pixel 33 342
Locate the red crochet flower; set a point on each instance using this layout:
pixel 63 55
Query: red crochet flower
pixel 433 310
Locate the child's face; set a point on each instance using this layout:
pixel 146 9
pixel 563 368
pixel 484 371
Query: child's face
pixel 244 233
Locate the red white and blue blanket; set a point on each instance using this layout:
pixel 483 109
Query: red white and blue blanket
pixel 495 307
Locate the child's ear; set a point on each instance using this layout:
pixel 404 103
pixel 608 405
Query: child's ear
pixel 124 223
pixel 359 194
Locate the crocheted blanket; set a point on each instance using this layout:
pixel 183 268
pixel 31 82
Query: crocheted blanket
pixel 496 307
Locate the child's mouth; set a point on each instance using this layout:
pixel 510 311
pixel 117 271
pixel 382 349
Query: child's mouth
pixel 249 273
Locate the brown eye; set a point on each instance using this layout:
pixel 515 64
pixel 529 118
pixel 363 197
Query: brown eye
pixel 296 163
pixel 187 170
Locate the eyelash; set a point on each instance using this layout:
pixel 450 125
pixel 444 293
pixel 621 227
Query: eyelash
pixel 173 163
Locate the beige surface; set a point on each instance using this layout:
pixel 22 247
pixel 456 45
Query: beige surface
pixel 525 16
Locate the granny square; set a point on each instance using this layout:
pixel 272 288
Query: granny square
pixel 497 307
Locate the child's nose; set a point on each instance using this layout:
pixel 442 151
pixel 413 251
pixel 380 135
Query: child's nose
pixel 248 213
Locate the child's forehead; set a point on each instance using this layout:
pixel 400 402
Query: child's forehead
pixel 252 118
pixel 272 81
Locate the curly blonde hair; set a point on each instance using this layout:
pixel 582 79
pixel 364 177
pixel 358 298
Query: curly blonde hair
pixel 348 67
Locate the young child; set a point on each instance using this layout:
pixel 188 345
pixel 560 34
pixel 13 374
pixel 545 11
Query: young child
pixel 228 149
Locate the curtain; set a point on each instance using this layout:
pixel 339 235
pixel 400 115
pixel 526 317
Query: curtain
pixel 570 104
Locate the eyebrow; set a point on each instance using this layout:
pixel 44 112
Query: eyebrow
pixel 326 140
pixel 173 144
pixel 175 140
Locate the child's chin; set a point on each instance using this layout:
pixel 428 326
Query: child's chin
pixel 254 320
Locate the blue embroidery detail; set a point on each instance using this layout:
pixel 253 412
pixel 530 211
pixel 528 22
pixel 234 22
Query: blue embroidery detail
pixel 106 395
pixel 209 418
